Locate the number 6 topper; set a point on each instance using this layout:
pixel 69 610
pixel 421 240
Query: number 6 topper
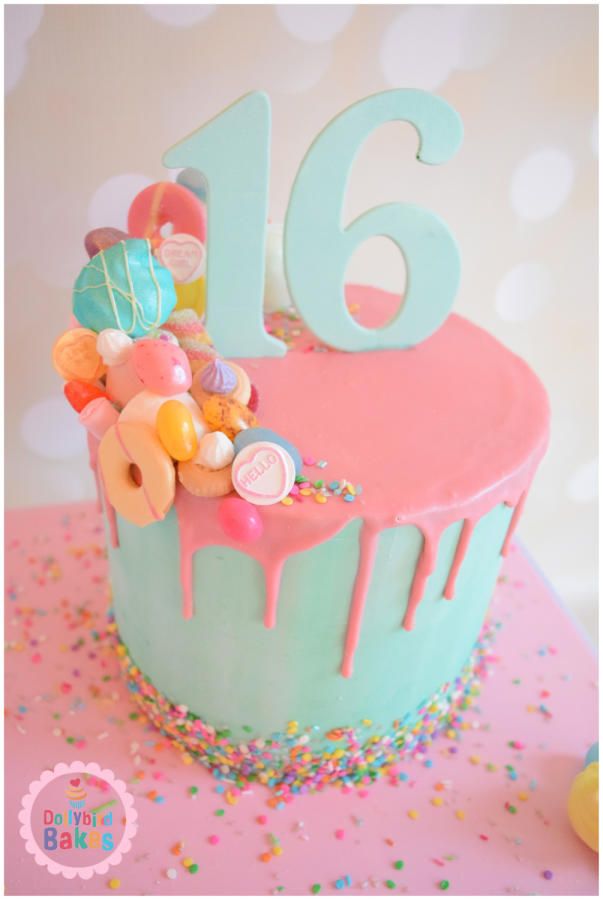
pixel 318 248
pixel 233 152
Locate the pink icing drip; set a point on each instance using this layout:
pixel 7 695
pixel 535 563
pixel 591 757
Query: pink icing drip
pixel 101 493
pixel 368 549
pixel 513 523
pixel 423 570
pixel 272 575
pixel 459 555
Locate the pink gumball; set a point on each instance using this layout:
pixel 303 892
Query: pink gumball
pixel 162 367
pixel 240 520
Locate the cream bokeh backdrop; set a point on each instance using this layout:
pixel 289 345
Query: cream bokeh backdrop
pixel 95 94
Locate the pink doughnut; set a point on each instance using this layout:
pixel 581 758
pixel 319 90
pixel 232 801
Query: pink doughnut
pixel 138 474
pixel 163 203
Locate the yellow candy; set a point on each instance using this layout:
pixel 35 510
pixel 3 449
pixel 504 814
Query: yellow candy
pixel 176 430
pixel 583 806
pixel 191 296
pixel 227 415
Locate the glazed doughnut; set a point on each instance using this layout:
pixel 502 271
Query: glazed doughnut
pixel 163 203
pixel 242 391
pixel 204 482
pixel 137 472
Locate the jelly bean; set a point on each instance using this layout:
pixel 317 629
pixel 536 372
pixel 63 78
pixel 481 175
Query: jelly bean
pixel 253 435
pixel 176 430
pixel 98 417
pixel 166 203
pixel 114 346
pixel 184 256
pixel 102 238
pixel 215 451
pixel 240 520
pixel 227 415
pixel 124 287
pixel 75 357
pixel 583 805
pixel 145 406
pixel 81 393
pixel 162 367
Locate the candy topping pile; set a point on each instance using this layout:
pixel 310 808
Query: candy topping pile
pixel 159 403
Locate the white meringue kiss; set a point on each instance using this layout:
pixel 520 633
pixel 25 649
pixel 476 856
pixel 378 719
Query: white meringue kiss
pixel 215 451
pixel 114 346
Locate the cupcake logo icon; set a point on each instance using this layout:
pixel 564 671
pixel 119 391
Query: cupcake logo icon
pixel 76 794
pixel 77 820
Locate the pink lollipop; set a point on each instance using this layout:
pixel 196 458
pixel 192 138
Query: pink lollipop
pixel 162 204
pixel 162 367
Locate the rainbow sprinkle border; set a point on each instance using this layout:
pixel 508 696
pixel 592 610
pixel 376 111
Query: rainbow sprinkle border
pixel 300 761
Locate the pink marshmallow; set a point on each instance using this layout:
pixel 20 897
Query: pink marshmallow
pixel 98 416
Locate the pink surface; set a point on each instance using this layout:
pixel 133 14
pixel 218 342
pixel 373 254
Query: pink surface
pixel 65 701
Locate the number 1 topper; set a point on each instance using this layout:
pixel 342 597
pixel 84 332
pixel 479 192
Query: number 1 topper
pixel 317 248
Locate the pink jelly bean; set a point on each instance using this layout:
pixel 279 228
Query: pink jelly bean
pixel 240 520
pixel 123 383
pixel 98 416
pixel 162 367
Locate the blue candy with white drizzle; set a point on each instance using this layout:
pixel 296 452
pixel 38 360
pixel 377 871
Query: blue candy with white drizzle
pixel 124 287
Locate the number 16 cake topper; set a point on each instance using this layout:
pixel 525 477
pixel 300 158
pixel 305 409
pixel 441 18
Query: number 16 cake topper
pixel 233 153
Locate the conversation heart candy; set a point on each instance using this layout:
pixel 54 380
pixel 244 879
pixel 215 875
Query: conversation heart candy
pixel 75 357
pixel 253 435
pixel 184 256
pixel 176 430
pixel 124 287
pixel 102 238
pixel 227 415
pixel 263 473
pixel 162 367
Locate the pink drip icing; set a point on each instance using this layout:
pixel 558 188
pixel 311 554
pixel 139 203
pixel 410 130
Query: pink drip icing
pixel 513 523
pixel 368 549
pixel 272 575
pixel 459 555
pixel 424 568
pixel 101 493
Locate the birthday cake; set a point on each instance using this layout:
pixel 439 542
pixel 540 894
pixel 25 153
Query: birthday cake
pixel 302 541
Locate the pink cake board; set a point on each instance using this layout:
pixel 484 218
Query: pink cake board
pixel 65 702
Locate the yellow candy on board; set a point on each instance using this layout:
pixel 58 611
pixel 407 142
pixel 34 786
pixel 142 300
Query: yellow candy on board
pixel 176 430
pixel 227 415
pixel 583 806
pixel 191 296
